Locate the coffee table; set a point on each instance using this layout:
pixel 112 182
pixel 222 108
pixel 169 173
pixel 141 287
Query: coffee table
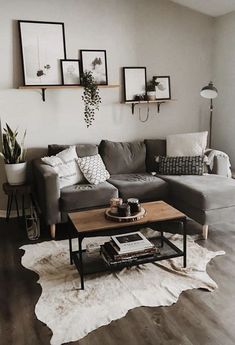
pixel 92 223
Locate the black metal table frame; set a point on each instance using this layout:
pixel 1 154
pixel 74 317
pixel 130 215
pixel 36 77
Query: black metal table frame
pixel 127 228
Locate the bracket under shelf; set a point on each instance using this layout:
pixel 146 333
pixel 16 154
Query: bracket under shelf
pixel 157 102
pixel 43 88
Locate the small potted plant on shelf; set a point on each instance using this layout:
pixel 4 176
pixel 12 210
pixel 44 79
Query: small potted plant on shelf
pixel 151 89
pixel 90 97
pixel 13 154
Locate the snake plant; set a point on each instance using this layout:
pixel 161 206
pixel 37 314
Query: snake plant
pixel 12 151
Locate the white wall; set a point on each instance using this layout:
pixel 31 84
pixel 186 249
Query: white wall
pixel 166 38
pixel 224 78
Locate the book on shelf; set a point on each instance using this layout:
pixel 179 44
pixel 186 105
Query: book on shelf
pixel 131 242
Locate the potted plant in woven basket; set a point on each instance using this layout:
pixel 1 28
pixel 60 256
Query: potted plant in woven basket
pixel 13 154
pixel 90 97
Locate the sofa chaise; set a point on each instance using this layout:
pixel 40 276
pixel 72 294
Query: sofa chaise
pixel 207 199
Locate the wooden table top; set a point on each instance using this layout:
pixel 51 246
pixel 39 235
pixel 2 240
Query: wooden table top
pixel 93 220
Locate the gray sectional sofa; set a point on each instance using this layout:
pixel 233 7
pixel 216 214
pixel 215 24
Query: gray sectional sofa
pixel 207 199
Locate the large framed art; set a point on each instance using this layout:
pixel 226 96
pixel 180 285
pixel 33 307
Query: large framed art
pixel 134 83
pixel 42 47
pixel 96 62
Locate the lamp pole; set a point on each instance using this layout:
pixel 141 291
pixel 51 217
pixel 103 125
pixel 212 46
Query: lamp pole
pixel 211 117
pixel 209 92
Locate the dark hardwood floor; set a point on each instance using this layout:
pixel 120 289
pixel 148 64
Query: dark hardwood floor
pixel 198 318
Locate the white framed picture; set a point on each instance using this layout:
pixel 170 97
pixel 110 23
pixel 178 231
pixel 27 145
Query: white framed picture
pixel 163 87
pixel 134 83
pixel 70 70
pixel 95 61
pixel 42 47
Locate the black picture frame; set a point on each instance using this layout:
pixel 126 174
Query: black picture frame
pixel 87 61
pixel 134 92
pixel 63 62
pixel 32 74
pixel 162 94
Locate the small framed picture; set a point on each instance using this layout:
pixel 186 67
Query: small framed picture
pixel 96 62
pixel 70 70
pixel 134 83
pixel 163 88
pixel 42 47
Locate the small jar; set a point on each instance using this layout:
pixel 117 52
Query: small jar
pixel 134 205
pixel 114 203
pixel 124 210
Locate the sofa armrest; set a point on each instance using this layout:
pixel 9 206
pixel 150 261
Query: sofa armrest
pixel 218 163
pixel 47 191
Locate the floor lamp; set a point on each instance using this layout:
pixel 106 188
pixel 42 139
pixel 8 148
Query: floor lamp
pixel 210 92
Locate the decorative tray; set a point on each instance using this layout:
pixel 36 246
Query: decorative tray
pixel 133 218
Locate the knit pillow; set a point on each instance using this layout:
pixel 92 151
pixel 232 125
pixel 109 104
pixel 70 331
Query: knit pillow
pixel 65 165
pixel 184 165
pixel 93 169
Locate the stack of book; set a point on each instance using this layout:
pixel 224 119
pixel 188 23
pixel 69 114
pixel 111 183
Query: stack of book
pixel 128 249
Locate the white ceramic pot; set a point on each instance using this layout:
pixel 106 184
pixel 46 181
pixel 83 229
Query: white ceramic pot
pixel 16 173
pixel 151 95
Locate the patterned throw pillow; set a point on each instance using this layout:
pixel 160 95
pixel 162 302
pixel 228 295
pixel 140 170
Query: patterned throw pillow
pixel 185 165
pixel 65 165
pixel 93 169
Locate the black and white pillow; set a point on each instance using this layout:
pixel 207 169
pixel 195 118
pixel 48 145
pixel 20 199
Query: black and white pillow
pixel 93 169
pixel 181 165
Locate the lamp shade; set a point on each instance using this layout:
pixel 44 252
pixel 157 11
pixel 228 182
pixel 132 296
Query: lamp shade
pixel 209 91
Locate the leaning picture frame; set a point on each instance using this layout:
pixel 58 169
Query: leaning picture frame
pixel 70 71
pixel 42 48
pixel 95 61
pixel 135 80
pixel 163 88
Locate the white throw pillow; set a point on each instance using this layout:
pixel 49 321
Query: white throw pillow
pixel 65 165
pixel 189 144
pixel 93 169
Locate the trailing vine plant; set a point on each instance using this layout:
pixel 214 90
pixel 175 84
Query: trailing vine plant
pixel 90 97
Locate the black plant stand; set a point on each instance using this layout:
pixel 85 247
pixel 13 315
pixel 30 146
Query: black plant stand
pixel 15 193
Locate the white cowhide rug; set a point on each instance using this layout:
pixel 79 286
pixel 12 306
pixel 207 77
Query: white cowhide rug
pixel 72 313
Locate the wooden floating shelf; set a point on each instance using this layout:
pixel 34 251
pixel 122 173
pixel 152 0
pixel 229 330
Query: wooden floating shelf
pixel 43 88
pixel 158 102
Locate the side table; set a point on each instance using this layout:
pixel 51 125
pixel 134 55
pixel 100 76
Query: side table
pixel 14 193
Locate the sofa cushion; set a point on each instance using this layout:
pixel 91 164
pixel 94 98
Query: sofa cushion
pixel 82 149
pixel 203 192
pixel 87 195
pixel 123 158
pixel 154 148
pixel 143 186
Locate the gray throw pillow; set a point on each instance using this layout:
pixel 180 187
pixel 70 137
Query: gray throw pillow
pixel 82 150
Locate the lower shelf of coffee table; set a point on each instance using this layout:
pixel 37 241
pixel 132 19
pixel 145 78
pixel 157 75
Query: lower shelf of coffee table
pixel 95 263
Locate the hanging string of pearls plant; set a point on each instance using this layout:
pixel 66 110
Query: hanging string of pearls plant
pixel 91 97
